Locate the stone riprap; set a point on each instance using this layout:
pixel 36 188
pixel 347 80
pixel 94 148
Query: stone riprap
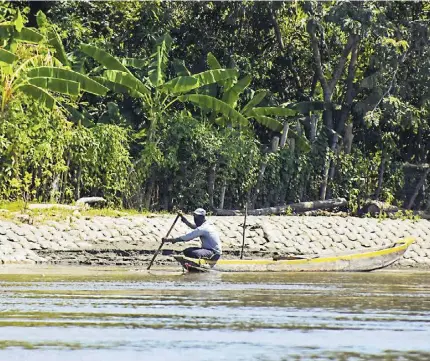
pixel 132 240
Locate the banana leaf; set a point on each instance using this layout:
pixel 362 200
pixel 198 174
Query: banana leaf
pixel 277 111
pixel 231 96
pixel 104 58
pixel 134 62
pixel 215 76
pixel 27 35
pixel 79 118
pixel 55 41
pixel 19 21
pixel 210 103
pixel 306 107
pixel 181 84
pixel 258 97
pixel 86 83
pixel 180 68
pixel 301 142
pixel 268 122
pixel 158 66
pixel 213 62
pixel 115 87
pixel 63 86
pixel 7 57
pixel 40 95
pixel 127 80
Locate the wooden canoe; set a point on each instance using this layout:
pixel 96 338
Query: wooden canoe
pixel 359 261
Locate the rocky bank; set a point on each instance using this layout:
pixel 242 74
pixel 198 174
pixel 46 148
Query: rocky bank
pixel 132 240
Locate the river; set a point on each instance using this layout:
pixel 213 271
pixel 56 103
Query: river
pixel 111 314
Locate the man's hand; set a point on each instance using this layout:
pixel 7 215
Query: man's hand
pixel 183 219
pixel 169 240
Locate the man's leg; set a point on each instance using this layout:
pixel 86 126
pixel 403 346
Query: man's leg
pixel 195 252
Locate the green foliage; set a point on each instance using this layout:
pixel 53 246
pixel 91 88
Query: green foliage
pixel 157 123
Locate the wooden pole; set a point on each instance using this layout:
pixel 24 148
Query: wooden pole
pixel 244 229
pixel 161 245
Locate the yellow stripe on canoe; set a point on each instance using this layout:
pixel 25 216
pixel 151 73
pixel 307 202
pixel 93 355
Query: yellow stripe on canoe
pixel 400 246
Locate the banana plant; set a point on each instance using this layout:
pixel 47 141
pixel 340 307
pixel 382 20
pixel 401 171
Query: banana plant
pixel 227 107
pixel 151 86
pixel 155 92
pixel 40 74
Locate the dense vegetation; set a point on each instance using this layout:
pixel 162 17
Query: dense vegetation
pixel 158 105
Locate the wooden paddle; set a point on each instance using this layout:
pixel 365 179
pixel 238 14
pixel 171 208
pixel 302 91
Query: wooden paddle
pixel 161 245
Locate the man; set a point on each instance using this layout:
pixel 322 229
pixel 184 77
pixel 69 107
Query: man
pixel 211 244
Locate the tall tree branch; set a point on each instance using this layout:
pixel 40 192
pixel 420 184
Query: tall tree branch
pixel 276 27
pixel 317 57
pixel 352 41
pixel 282 47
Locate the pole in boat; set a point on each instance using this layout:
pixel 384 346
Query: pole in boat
pixel 161 245
pixel 244 229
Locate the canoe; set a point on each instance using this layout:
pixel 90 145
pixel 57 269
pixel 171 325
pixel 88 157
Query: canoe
pixel 360 261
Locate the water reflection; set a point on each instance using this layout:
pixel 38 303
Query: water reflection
pixel 90 314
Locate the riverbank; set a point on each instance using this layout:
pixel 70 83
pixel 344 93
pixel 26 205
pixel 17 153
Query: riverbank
pixel 131 240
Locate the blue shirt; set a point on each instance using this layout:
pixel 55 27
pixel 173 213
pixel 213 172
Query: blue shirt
pixel 208 235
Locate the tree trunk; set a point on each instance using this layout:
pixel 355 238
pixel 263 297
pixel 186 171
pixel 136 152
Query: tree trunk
pixel 211 184
pixel 380 177
pixel 55 188
pixel 165 195
pixel 284 135
pixel 292 144
pixel 313 123
pixel 275 144
pixel 346 109
pixel 148 193
pixel 259 181
pixel 417 188
pixel 349 136
pixel 222 197
pixel 295 207
pixel 323 189
pixel 328 87
pixel 64 178
pixel 282 48
pixel 78 182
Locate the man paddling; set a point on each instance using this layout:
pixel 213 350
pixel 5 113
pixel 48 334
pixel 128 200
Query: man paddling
pixel 211 244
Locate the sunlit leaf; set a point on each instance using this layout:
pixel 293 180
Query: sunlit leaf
pixel 268 122
pixel 181 84
pixel 103 57
pixel 7 56
pixel 127 80
pixel 63 86
pixel 214 76
pixel 40 95
pixel 210 103
pixel 231 96
pixel 87 84
pixel 55 41
pixel 277 111
pixel 258 97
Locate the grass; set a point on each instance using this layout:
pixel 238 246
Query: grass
pixel 19 212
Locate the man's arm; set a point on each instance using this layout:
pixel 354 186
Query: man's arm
pixel 187 237
pixel 189 224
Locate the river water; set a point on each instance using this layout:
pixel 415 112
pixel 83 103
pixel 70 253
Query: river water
pixel 53 313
